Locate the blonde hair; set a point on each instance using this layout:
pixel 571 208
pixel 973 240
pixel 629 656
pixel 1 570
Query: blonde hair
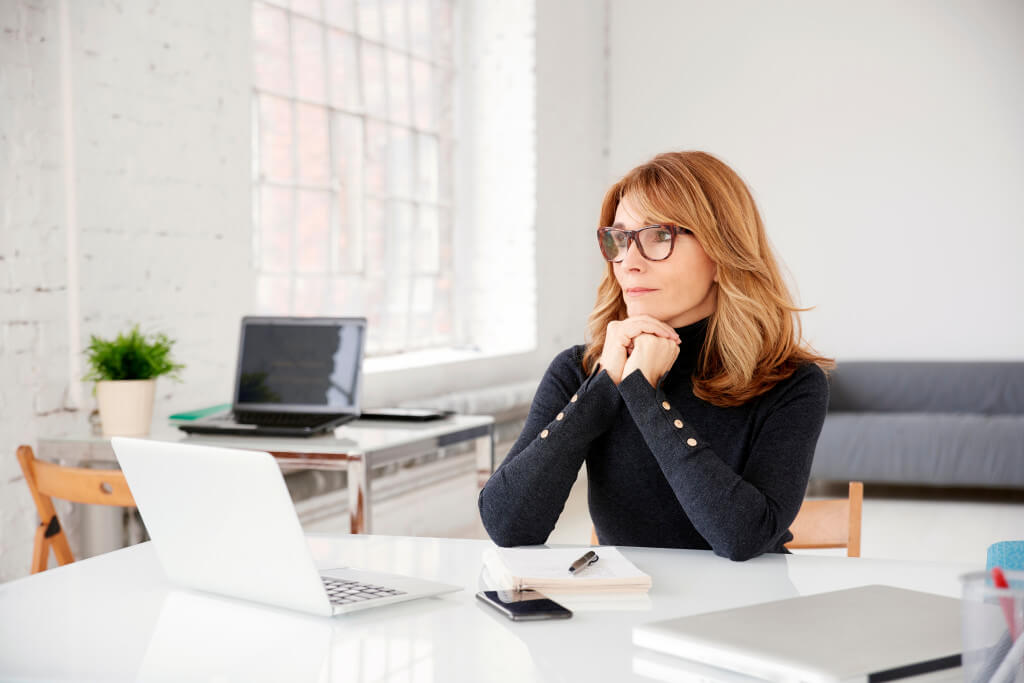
pixel 754 337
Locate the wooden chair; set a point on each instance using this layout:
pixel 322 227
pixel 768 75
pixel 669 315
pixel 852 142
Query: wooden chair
pixel 78 485
pixel 833 523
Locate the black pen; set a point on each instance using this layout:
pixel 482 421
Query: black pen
pixel 589 558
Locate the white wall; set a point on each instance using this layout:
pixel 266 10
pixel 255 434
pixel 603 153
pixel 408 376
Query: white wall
pixel 497 176
pixel 883 142
pixel 124 196
pixel 152 224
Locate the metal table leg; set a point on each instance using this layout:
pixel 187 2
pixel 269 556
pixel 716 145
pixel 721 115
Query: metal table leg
pixel 359 495
pixel 484 457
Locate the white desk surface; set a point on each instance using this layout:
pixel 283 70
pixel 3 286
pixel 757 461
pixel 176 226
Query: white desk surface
pixel 357 437
pixel 115 617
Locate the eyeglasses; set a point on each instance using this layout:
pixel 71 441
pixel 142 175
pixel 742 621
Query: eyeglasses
pixel 655 242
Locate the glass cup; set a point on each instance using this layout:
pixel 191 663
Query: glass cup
pixel 993 628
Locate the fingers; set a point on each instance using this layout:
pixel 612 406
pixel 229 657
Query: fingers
pixel 624 331
pixel 651 325
pixel 620 336
pixel 646 340
pixel 658 349
pixel 653 356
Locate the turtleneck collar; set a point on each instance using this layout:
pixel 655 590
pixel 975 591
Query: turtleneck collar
pixel 692 336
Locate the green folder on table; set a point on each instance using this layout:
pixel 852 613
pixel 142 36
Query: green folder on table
pixel 202 412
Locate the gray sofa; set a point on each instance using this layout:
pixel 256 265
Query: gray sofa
pixel 924 423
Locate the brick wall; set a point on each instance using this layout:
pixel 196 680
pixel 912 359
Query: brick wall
pixel 124 176
pixel 150 119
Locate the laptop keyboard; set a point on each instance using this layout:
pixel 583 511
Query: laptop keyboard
pixel 282 419
pixel 342 592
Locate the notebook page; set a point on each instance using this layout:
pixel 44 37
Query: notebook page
pixel 554 563
pixel 550 566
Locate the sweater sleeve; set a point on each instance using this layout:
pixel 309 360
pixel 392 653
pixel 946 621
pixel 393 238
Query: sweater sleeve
pixel 741 515
pixel 522 500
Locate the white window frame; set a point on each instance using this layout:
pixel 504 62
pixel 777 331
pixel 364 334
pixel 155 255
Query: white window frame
pixel 414 202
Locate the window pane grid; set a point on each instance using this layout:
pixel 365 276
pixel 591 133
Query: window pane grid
pixel 347 110
pixel 351 166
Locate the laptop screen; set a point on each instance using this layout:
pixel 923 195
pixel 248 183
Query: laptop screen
pixel 300 364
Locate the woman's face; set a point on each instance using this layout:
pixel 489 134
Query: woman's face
pixel 679 290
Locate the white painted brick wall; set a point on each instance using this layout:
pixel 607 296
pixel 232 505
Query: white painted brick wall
pixel 31 285
pixel 161 148
pixel 160 111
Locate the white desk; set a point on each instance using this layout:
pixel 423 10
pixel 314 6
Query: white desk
pixel 357 447
pixel 114 617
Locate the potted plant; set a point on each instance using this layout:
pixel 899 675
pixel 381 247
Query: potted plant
pixel 125 371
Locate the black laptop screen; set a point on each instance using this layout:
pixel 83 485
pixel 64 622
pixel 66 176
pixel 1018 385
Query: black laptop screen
pixel 301 365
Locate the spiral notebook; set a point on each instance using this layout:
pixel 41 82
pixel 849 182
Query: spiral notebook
pixel 547 569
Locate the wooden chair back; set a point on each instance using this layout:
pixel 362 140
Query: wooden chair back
pixel 833 523
pixel 75 484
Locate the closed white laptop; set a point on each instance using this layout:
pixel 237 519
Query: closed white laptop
pixel 869 633
pixel 222 521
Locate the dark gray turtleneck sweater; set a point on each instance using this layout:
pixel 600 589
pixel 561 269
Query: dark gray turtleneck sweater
pixel 665 468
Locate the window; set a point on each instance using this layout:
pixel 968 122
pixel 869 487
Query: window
pixel 353 165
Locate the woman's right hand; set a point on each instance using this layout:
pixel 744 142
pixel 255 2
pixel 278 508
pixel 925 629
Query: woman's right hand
pixel 618 341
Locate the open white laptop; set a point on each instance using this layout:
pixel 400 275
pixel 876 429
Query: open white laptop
pixel 222 521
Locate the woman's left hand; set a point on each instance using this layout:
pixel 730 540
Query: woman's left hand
pixel 653 356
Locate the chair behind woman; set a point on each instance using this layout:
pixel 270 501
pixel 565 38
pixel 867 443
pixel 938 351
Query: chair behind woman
pixel 832 523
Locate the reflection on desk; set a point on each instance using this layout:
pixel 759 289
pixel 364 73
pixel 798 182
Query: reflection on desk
pixel 115 617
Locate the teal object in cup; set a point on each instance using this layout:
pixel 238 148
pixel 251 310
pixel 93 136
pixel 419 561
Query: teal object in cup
pixel 1006 555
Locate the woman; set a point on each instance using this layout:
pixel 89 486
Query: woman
pixel 695 405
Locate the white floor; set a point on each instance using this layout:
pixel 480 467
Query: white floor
pixel 919 525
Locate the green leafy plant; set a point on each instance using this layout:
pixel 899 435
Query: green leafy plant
pixel 131 356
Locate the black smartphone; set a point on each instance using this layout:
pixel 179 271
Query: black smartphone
pixel 524 605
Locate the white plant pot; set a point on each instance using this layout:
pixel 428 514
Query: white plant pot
pixel 126 406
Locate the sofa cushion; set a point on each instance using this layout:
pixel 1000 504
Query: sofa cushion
pixel 989 387
pixel 935 449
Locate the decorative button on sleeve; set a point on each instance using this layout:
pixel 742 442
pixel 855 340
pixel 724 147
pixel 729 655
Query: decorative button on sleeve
pixel 574 397
pixel 559 416
pixel 545 433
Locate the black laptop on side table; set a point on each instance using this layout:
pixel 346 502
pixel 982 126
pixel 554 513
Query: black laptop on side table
pixel 295 377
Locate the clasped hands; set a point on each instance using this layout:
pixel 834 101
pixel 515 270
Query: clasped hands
pixel 639 342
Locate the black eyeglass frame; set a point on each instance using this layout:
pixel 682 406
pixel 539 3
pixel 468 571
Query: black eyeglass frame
pixel 634 237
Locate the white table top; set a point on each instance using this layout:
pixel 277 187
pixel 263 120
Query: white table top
pixel 115 617
pixel 359 436
pixel 374 438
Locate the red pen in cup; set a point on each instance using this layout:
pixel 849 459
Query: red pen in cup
pixel 999 579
